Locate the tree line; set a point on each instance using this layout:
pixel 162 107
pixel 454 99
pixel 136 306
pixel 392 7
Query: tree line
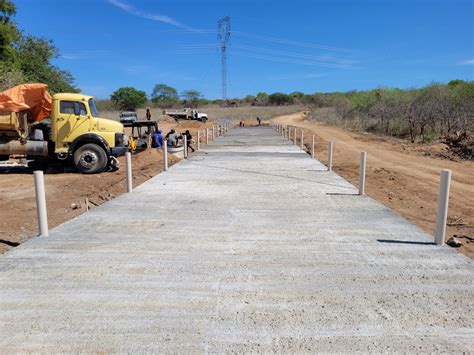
pixel 422 113
pixel 162 95
pixel 436 109
pixel 430 112
pixel 165 96
pixel 25 58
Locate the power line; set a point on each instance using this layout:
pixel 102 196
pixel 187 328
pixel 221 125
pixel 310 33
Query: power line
pixel 346 62
pixel 206 45
pixel 290 42
pixel 291 61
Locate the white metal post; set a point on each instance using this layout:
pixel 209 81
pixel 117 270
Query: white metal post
pixel 165 154
pixel 185 143
pixel 212 129
pixel 294 137
pixel 289 133
pixel 330 149
pixel 41 203
pixel 312 147
pixel 443 202
pixel 198 144
pixel 128 166
pixel 207 136
pixel 363 157
pixel 302 140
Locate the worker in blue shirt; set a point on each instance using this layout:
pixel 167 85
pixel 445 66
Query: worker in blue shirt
pixel 158 139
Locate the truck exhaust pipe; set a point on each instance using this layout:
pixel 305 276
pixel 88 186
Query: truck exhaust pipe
pixel 31 148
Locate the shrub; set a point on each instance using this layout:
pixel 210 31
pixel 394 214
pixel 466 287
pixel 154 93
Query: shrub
pixel 128 99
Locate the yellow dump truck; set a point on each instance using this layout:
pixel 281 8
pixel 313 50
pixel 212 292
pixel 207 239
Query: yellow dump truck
pixel 64 127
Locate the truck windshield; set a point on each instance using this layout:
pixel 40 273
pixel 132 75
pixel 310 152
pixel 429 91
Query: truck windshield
pixel 93 109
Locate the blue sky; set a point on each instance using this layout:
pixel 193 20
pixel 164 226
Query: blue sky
pixel 299 45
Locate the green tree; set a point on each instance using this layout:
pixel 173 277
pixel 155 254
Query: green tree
pixel 128 99
pixel 10 77
pixel 250 100
pixel 262 99
pixel 8 32
pixel 34 62
pixel 279 98
pixel 456 82
pixel 191 97
pixel 25 58
pixel 164 95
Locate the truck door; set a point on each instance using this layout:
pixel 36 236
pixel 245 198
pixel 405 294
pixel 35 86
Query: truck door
pixel 71 121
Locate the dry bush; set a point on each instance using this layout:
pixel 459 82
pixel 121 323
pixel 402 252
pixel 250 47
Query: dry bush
pixel 432 112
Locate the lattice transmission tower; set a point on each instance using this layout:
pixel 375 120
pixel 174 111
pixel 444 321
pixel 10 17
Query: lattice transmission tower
pixel 223 37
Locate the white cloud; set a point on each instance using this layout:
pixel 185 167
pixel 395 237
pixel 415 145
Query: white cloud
pixel 297 76
pixel 154 17
pixel 467 62
pixel 84 54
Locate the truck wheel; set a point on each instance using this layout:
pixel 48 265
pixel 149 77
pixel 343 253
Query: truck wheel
pixel 90 159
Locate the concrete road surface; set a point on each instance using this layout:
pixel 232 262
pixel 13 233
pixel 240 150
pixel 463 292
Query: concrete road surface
pixel 248 246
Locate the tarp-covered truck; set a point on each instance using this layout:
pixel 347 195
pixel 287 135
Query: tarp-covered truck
pixel 65 126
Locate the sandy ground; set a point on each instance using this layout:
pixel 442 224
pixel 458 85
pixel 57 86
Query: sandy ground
pixel 18 221
pixel 402 176
pixel 399 175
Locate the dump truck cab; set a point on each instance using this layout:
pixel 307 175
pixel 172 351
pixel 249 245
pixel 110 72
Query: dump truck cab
pixel 78 131
pixel 65 126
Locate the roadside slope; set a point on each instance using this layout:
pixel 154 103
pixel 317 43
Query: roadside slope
pixel 398 175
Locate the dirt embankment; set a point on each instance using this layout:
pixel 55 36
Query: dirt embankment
pixel 66 193
pixel 402 176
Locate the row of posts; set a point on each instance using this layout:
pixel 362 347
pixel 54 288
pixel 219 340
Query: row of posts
pixel 213 132
pixel 445 178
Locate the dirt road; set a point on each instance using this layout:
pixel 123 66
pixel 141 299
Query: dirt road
pixel 66 193
pixel 399 175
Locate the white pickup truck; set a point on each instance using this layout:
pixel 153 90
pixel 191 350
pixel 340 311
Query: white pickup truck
pixel 186 114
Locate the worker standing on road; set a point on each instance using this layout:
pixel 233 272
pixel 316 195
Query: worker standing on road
pixel 148 114
pixel 259 121
pixel 189 138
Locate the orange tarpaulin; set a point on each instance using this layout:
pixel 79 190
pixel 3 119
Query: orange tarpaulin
pixel 32 97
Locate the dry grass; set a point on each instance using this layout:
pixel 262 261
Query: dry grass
pixel 247 113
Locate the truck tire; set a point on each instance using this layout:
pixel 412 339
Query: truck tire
pixel 90 159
